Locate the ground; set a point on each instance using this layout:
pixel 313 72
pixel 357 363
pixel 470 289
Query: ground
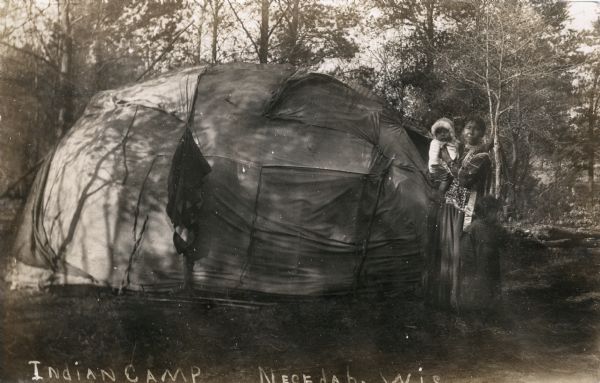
pixel 547 331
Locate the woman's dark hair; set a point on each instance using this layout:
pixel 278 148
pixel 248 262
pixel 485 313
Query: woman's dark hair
pixel 478 123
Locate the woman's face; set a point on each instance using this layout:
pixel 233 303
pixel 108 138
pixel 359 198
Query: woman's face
pixel 472 135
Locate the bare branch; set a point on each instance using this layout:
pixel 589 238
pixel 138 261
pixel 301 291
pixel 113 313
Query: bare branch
pixel 244 28
pixel 502 111
pixel 36 31
pixel 165 51
pixel 283 13
pixel 32 54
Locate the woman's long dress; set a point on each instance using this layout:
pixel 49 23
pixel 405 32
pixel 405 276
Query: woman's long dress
pixel 448 222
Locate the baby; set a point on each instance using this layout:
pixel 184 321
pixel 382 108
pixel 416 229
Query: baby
pixel 443 151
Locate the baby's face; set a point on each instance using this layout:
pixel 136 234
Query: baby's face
pixel 443 134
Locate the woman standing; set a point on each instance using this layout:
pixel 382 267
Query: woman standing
pixel 455 214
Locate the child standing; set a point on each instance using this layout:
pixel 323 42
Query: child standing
pixel 443 153
pixel 479 275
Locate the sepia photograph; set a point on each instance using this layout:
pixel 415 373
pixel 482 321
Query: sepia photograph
pixel 299 191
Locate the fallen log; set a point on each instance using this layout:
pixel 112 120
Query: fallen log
pixel 552 232
pixel 551 236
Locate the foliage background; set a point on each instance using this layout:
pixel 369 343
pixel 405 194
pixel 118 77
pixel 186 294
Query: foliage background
pixel 514 62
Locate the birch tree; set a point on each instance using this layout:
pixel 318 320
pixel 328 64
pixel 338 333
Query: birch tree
pixel 502 48
pixel 65 111
pixel 587 93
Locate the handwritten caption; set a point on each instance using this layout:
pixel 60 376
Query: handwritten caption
pixel 324 377
pixel 193 374
pixel 127 374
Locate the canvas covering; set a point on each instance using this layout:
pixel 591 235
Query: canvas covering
pixel 314 188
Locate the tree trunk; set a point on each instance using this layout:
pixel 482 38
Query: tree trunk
pixel 430 85
pixel 65 112
pixel 494 184
pixel 263 47
pixel 498 163
pixel 517 157
pixel 216 21
pixel 591 156
pixel 201 31
pixel 96 62
pixel 293 55
pixel 430 31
